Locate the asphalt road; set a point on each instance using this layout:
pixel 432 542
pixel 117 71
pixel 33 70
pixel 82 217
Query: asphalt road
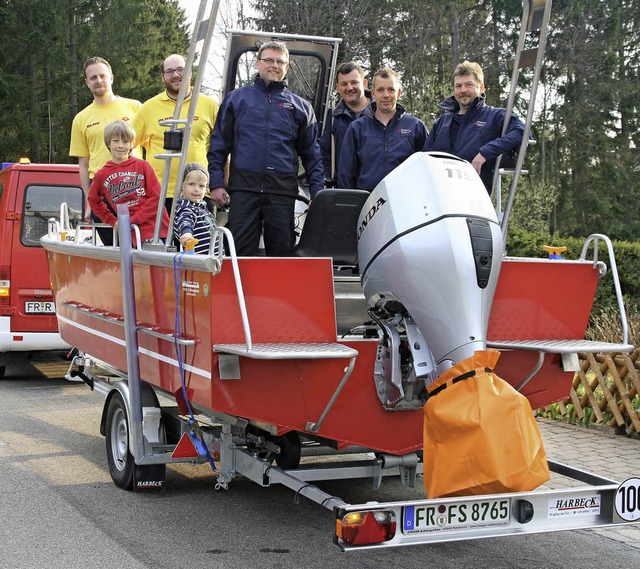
pixel 59 508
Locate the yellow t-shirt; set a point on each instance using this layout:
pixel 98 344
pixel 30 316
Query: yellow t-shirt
pixel 150 134
pixel 87 130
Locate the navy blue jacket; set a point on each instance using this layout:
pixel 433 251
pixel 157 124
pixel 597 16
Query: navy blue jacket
pixel 265 129
pixel 480 130
pixel 338 122
pixel 370 150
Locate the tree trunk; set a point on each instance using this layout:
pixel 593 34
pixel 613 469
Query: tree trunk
pixel 73 57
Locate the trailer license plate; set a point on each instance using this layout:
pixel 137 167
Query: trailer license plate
pixel 454 516
pixel 40 307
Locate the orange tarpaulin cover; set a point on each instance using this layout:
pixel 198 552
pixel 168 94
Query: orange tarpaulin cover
pixel 480 435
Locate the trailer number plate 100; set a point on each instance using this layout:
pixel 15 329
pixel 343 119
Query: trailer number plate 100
pixel 454 516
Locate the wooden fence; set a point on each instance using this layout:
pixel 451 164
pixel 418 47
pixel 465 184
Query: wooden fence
pixel 606 390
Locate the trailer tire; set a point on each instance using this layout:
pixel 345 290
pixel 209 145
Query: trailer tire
pixel 119 458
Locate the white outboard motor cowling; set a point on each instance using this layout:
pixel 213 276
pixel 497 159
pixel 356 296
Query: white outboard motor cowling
pixel 430 250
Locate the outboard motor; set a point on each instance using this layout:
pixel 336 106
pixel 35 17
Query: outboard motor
pixel 430 250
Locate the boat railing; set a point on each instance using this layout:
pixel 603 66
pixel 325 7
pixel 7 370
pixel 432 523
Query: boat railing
pixel 85 232
pixel 570 348
pixel 596 238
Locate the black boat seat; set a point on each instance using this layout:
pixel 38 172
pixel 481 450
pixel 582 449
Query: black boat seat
pixel 330 228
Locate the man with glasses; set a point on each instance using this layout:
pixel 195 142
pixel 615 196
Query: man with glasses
pixel 150 134
pixel 87 129
pixel 265 128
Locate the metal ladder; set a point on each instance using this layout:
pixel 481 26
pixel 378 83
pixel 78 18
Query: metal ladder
pixel 202 31
pixel 535 17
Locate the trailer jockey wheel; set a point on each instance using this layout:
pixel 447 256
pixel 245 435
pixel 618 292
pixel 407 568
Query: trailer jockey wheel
pixel 263 444
pixel 124 472
pixel 290 450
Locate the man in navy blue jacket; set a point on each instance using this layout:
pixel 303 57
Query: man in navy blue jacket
pixel 265 127
pixel 354 99
pixel 382 139
pixel 471 129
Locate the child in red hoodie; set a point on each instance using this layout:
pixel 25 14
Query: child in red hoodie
pixel 127 180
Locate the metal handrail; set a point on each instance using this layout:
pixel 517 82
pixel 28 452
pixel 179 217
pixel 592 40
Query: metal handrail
pixel 238 282
pixel 596 238
pixel 55 228
pixel 119 321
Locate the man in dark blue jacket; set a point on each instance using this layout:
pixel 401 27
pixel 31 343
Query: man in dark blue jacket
pixel 265 127
pixel 471 129
pixel 354 99
pixel 380 140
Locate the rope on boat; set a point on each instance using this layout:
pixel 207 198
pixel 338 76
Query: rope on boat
pixel 198 441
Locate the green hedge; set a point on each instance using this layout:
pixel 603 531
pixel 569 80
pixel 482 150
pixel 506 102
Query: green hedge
pixel 521 243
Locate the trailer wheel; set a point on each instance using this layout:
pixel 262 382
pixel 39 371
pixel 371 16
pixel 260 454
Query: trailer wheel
pixel 120 459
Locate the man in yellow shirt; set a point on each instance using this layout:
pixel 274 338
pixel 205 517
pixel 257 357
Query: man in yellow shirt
pixel 150 134
pixel 87 130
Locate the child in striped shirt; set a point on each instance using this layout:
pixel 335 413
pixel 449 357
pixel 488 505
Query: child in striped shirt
pixel 193 220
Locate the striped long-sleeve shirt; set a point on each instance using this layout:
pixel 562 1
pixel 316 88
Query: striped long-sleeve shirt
pixel 194 218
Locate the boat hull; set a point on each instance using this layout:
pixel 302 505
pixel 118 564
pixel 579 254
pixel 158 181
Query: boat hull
pixel 291 300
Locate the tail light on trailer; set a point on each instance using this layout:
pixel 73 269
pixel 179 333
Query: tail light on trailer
pixel 366 527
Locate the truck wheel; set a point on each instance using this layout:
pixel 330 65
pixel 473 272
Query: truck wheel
pixel 121 463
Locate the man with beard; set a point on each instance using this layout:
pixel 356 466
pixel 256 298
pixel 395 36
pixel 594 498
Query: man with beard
pixel 150 134
pixel 87 130
pixel 471 129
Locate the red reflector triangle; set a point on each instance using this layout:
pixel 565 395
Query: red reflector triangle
pixel 185 448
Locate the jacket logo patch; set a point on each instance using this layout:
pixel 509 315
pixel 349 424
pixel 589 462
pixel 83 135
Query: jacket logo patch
pixel 404 130
pixel 287 106
pixel 480 124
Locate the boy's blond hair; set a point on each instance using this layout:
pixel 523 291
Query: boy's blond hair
pixel 121 129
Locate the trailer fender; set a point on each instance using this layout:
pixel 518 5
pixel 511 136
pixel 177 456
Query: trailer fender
pixel 147 394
